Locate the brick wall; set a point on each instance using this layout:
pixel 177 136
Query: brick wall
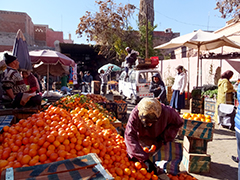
pixel 52 36
pixel 10 22
pixel 40 32
pixel 161 37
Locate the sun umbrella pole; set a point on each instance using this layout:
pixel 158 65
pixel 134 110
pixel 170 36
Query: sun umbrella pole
pixel 47 79
pixel 198 63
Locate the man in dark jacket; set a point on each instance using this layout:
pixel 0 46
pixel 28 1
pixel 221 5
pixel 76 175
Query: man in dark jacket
pixel 157 87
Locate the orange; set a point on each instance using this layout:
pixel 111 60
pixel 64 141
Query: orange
pixel 43 158
pixel 127 171
pixel 50 138
pixel 138 165
pixel 153 148
pixel 62 153
pixel 148 175
pixel 146 149
pixel 53 156
pixel 154 177
pixel 56 143
pixel 119 171
pixel 32 152
pixel 33 162
pixel 40 123
pixel 25 159
pixel 6 128
pixel 42 150
pixel 143 171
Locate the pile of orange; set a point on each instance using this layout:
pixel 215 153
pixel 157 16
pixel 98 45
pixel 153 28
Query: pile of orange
pixel 70 103
pixel 97 98
pixel 55 134
pixel 197 117
pixel 119 101
pixel 181 176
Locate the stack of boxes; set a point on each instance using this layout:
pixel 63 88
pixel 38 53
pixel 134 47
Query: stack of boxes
pixel 197 134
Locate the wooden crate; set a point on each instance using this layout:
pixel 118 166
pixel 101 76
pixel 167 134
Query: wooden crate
pixel 197 106
pixel 82 168
pixel 122 116
pixel 193 145
pixel 196 163
pixel 121 107
pixel 111 106
pixel 6 121
pixel 209 106
pixel 197 129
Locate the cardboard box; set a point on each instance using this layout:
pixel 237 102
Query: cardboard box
pixel 82 167
pixel 196 163
pixel 193 145
pixel 197 129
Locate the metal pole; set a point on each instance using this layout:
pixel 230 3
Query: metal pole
pixel 47 79
pixel 198 64
pixel 146 51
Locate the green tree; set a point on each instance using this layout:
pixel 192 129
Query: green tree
pixel 142 48
pixel 228 7
pixel 109 27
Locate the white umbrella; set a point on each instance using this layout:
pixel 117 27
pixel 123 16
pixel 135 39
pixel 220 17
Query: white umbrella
pixel 200 40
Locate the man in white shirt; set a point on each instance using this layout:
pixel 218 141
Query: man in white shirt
pixel 178 88
pixel 104 79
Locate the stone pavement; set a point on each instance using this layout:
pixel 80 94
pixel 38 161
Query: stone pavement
pixel 221 149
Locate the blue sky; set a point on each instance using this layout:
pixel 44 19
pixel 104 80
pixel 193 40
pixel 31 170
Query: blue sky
pixel 182 16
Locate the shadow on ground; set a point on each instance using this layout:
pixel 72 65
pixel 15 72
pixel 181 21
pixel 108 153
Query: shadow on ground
pixel 219 171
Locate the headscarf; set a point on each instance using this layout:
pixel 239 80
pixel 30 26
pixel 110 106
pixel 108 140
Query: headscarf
pixel 227 74
pixel 149 106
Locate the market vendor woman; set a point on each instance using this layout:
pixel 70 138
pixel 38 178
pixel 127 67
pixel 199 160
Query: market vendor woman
pixel 150 123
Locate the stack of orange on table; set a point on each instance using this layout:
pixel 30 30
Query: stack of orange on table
pixel 56 134
pixel 197 117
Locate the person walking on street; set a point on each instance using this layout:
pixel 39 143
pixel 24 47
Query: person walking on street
pixel 87 79
pixel 104 79
pixel 157 87
pixel 178 97
pixel 150 123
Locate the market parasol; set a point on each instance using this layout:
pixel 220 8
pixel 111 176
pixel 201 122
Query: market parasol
pixel 20 50
pixel 106 66
pixel 200 40
pixel 49 61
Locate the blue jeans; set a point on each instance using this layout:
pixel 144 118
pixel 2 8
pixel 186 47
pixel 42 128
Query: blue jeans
pixel 238 151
